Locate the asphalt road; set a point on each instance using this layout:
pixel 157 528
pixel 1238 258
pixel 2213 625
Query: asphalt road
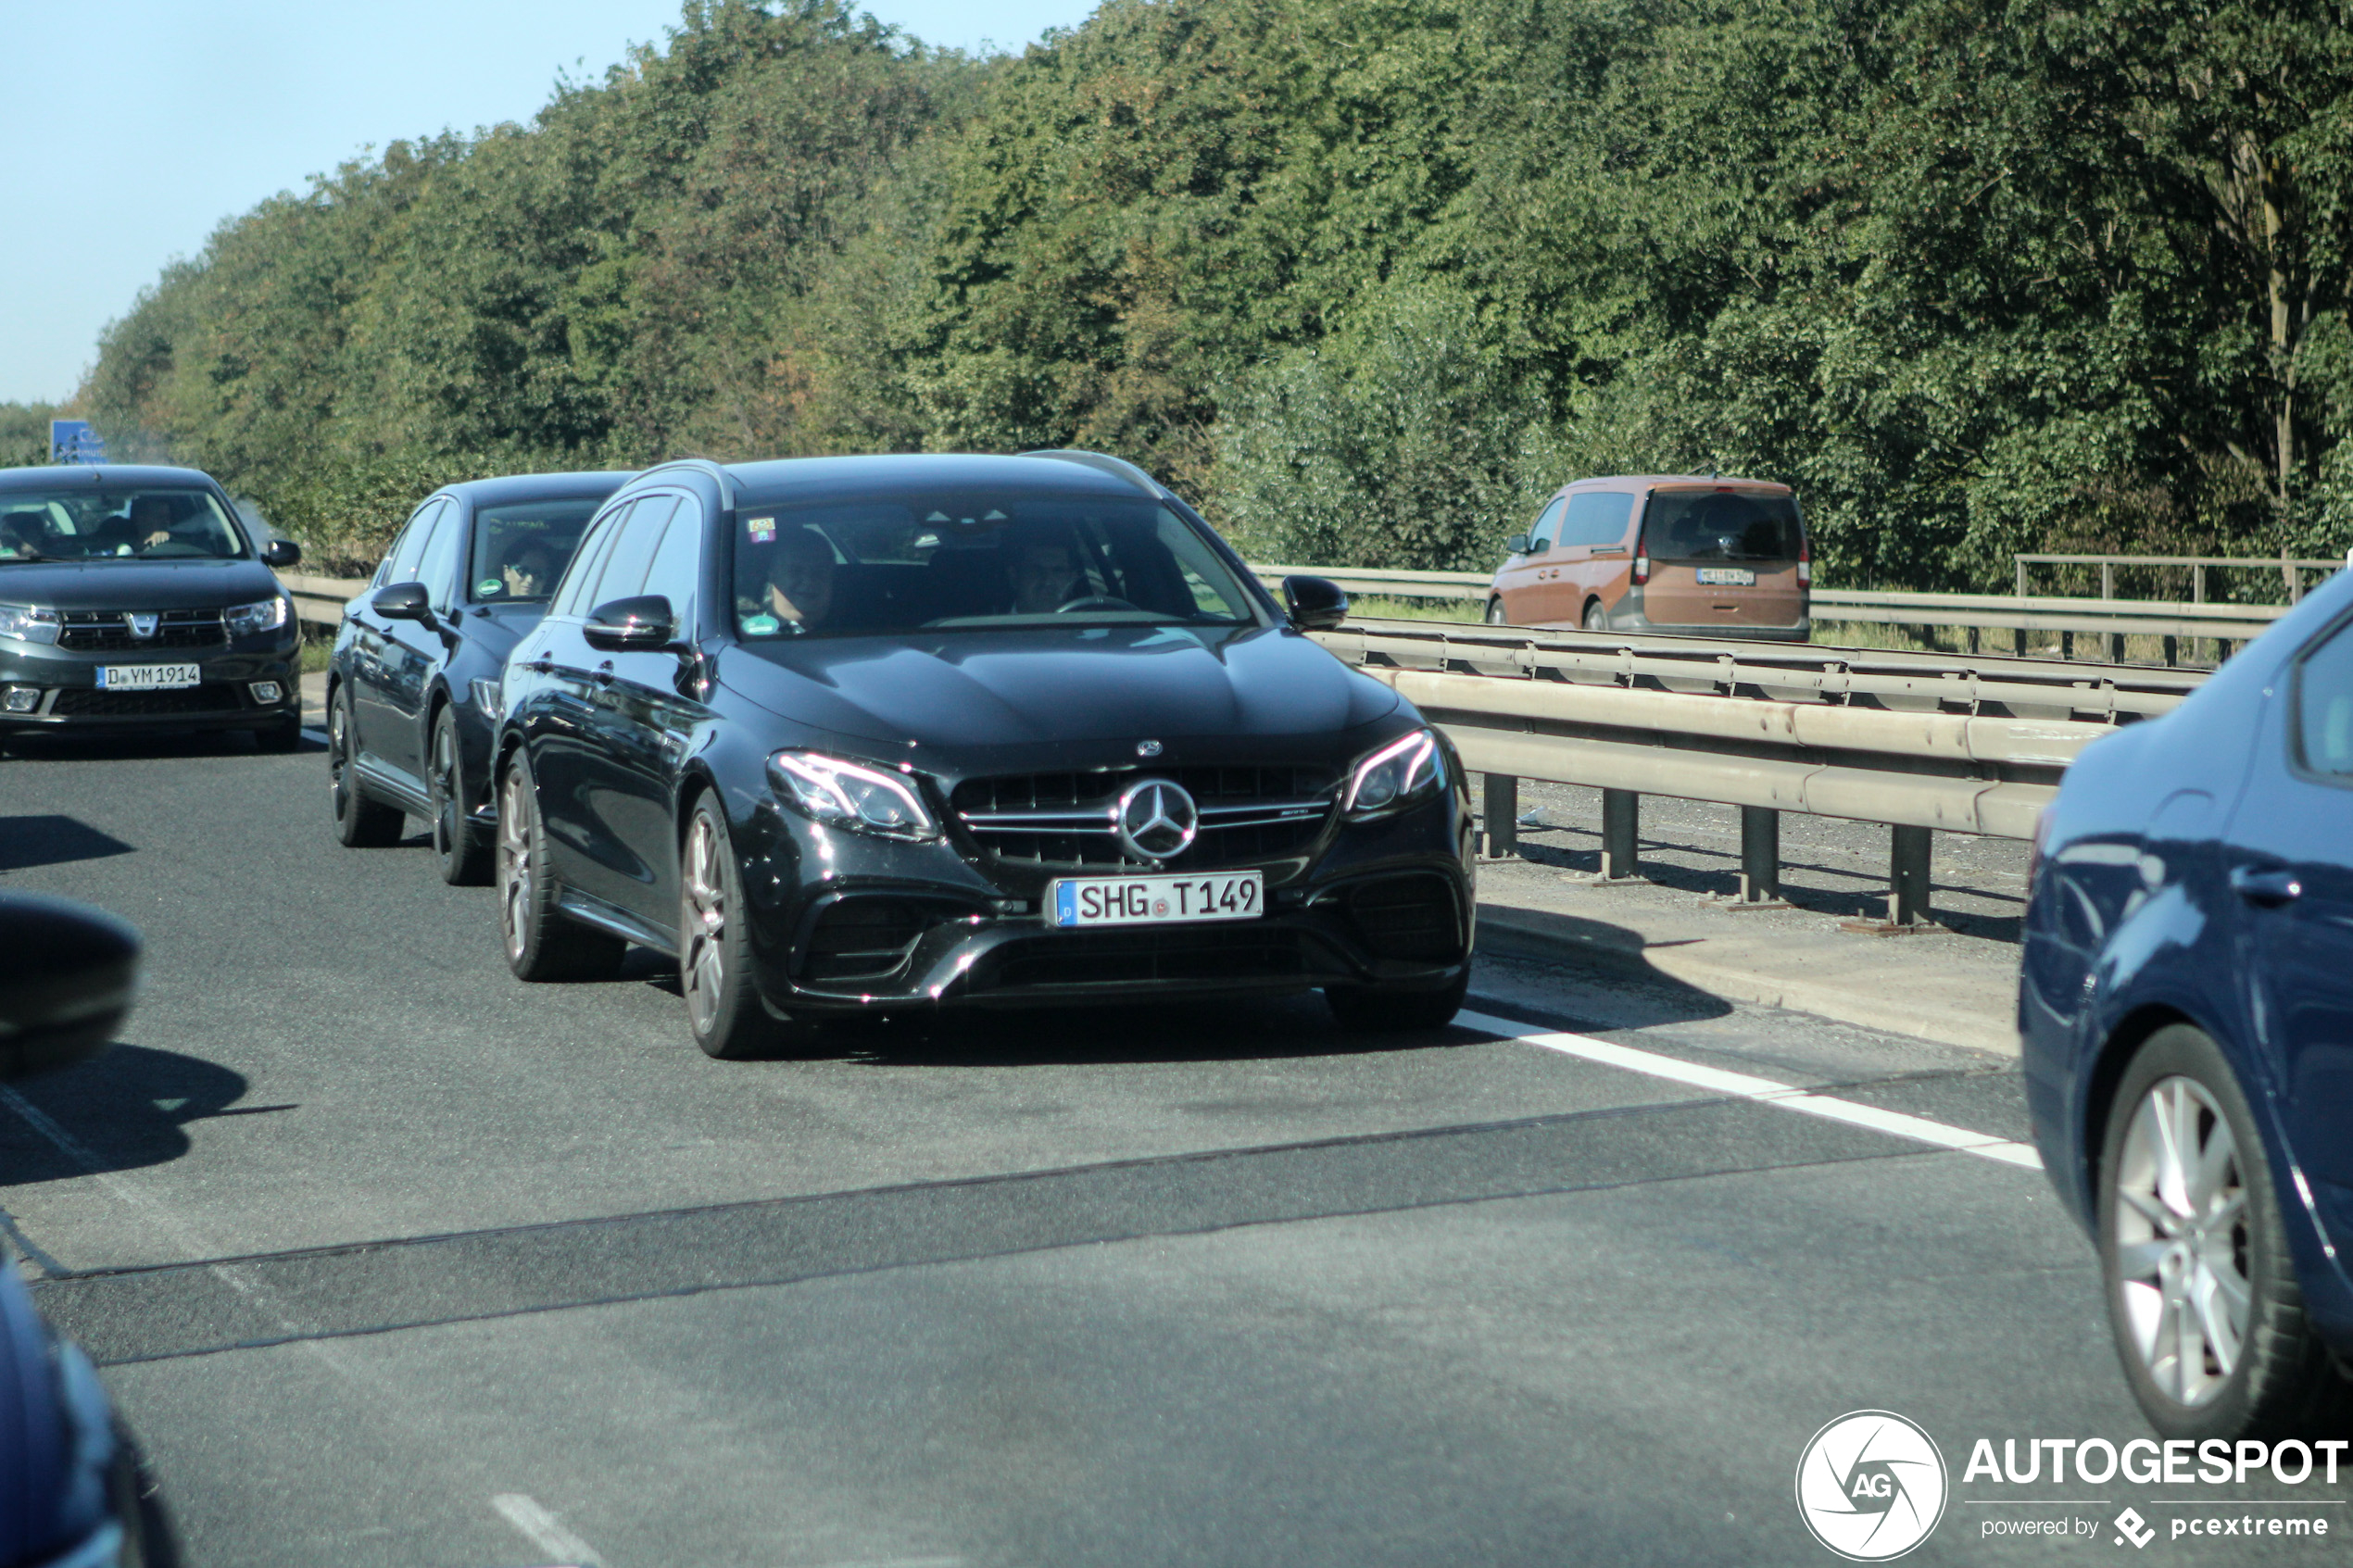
pixel 390 1260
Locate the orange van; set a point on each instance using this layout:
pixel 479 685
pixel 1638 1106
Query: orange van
pixel 1670 553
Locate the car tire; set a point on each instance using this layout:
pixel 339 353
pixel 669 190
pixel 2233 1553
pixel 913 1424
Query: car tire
pixel 540 943
pixel 361 822
pixel 1596 616
pixel 1495 615
pixel 1375 1009
pixel 2198 1369
pixel 457 849
pixel 723 1009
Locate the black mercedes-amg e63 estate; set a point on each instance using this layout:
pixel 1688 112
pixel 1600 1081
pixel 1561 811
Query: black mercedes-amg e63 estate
pixel 846 734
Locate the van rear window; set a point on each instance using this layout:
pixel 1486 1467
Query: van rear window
pixel 1721 525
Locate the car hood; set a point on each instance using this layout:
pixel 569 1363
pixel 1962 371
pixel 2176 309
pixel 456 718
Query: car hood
pixel 1010 687
pixel 187 584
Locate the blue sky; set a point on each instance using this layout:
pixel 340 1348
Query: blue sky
pixel 128 131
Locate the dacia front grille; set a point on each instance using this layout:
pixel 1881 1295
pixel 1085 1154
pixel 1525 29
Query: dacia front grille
pixel 111 630
pixel 1248 814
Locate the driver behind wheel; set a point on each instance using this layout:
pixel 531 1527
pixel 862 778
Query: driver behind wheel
pixel 1045 575
pixel 801 580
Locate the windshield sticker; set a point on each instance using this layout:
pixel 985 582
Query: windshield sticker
pixel 761 625
pixel 487 588
pixel 761 529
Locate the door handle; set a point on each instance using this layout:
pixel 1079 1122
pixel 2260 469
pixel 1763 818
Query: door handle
pixel 2269 887
pixel 541 665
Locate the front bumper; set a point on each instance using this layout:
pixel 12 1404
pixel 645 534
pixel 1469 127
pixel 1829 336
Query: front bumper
pixel 878 924
pixel 69 698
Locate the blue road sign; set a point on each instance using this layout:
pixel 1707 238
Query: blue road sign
pixel 72 441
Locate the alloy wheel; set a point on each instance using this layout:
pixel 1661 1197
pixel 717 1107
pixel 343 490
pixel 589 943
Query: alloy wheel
pixel 514 862
pixel 2181 1242
pixel 338 757
pixel 703 970
pixel 448 815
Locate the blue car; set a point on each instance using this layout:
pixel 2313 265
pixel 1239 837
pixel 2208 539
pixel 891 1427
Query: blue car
pixel 2186 1001
pixel 73 1492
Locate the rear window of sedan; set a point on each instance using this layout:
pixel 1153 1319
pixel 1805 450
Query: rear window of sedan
pixel 981 561
pixel 93 524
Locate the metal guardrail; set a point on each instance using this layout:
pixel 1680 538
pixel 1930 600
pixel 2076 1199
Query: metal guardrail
pixel 2291 568
pixel 318 601
pixel 1969 746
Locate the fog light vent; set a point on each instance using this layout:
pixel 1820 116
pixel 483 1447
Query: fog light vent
pixel 267 692
pixel 21 699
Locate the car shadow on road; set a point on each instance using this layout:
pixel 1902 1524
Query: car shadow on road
pixel 125 1109
pixel 54 840
pixel 20 746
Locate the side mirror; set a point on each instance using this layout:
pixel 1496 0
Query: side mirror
pixel 1316 604
pixel 404 601
pixel 279 554
pixel 66 976
pixel 1517 544
pixel 626 625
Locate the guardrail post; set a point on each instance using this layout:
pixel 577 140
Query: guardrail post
pixel 2067 645
pixel 1908 875
pixel 1621 824
pixel 2018 641
pixel 2019 561
pixel 1760 854
pixel 1502 816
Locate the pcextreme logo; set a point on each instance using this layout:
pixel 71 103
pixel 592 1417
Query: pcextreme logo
pixel 1871 1485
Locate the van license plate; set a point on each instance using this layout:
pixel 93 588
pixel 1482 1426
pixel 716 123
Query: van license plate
pixel 146 677
pixel 1155 901
pixel 1727 577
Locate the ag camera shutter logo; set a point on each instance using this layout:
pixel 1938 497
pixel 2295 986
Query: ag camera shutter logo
pixel 1871 1485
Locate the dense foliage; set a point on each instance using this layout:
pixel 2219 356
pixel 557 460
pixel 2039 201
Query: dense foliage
pixel 1367 276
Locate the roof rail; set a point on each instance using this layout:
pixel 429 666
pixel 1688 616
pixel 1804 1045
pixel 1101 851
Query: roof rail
pixel 716 469
pixel 1119 467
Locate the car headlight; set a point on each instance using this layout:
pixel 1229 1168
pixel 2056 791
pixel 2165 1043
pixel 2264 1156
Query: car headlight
pixel 30 624
pixel 490 696
pixel 1404 773
pixel 851 795
pixel 267 615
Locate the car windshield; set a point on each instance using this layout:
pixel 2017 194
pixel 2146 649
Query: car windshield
pixel 977 561
pixel 521 549
pixel 1721 525
pixel 93 522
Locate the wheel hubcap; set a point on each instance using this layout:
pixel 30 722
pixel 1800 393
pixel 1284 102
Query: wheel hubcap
pixel 2180 1216
pixel 514 864
pixel 336 741
pixel 704 969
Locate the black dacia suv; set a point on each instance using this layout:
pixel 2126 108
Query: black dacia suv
pixel 132 597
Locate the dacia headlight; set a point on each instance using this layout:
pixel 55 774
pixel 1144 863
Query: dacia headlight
pixel 30 624
pixel 1404 773
pixel 851 795
pixel 265 615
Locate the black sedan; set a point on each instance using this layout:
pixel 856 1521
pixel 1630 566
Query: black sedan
pixel 2187 1000
pixel 846 735
pixel 412 684
pixel 130 597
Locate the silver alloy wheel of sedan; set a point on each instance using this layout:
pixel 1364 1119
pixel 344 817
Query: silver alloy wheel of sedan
pixel 514 864
pixel 702 967
pixel 2182 1241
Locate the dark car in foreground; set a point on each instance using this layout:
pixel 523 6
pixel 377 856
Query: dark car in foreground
pixel 73 1493
pixel 411 685
pixel 132 598
pixel 2186 1008
pixel 855 735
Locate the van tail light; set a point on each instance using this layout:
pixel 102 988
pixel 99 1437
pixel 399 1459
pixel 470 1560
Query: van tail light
pixel 1642 560
pixel 1805 563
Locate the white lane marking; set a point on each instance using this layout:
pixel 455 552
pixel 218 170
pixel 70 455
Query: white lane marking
pixel 1762 1090
pixel 543 1529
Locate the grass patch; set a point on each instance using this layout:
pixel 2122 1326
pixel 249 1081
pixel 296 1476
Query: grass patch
pixel 1377 607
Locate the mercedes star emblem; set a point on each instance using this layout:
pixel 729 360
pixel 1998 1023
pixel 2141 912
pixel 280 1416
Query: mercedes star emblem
pixel 1148 748
pixel 1157 819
